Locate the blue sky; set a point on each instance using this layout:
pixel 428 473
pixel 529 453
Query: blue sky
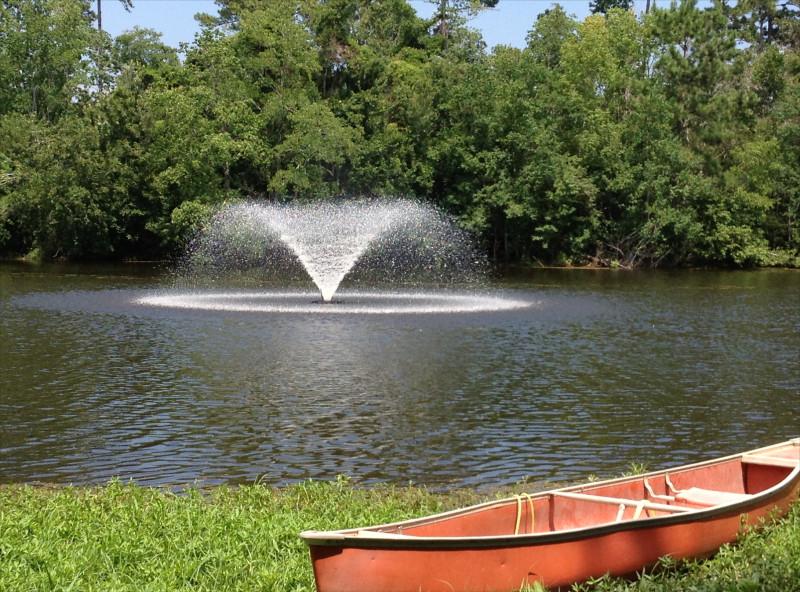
pixel 506 24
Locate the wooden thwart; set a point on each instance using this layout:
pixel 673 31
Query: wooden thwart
pixel 644 504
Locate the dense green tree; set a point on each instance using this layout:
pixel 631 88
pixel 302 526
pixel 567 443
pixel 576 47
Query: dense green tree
pixel 757 21
pixel 45 55
pixel 141 48
pixel 781 128
pixel 669 138
pixel 65 198
pixel 451 15
pixel 552 28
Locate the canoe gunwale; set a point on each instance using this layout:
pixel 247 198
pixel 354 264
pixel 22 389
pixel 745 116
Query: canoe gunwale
pixel 359 538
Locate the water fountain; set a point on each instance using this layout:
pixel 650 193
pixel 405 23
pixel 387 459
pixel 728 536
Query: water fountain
pixel 368 241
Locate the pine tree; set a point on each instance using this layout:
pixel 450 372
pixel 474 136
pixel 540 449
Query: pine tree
pixel 603 6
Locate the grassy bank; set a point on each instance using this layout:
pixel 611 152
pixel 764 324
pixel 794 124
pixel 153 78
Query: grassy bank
pixel 124 537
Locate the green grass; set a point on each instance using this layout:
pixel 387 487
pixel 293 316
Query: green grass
pixel 126 537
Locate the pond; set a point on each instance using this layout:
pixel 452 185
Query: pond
pixel 602 369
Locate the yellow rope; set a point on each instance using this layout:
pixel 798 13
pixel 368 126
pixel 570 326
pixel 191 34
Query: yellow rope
pixel 519 512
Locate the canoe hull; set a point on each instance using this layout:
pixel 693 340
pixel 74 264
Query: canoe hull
pixel 555 559
pixel 506 568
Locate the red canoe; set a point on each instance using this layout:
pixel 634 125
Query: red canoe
pixel 565 535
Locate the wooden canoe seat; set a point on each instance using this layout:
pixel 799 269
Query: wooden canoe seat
pixel 709 497
pixel 772 461
pixel 697 496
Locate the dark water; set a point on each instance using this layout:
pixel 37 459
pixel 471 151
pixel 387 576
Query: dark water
pixel 607 369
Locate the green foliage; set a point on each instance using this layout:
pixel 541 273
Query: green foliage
pixel 187 220
pixel 450 15
pixel 552 28
pixel 310 157
pixel 604 6
pixel 124 537
pixel 671 138
pixel 61 199
pixel 45 55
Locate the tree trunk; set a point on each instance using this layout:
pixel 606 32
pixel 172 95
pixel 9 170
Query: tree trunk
pixel 443 20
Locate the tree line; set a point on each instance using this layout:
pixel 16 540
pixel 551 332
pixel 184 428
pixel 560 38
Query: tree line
pixel 667 138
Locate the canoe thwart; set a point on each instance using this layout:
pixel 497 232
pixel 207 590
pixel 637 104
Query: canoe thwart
pixel 646 505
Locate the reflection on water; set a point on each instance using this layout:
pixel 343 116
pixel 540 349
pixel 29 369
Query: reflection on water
pixel 607 369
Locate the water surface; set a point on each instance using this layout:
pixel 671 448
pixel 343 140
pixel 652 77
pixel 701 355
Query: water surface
pixel 607 368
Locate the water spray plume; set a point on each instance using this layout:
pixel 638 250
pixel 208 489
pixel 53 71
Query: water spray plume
pixel 386 240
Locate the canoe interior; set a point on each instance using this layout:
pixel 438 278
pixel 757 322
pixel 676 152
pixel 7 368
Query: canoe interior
pixel 657 494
